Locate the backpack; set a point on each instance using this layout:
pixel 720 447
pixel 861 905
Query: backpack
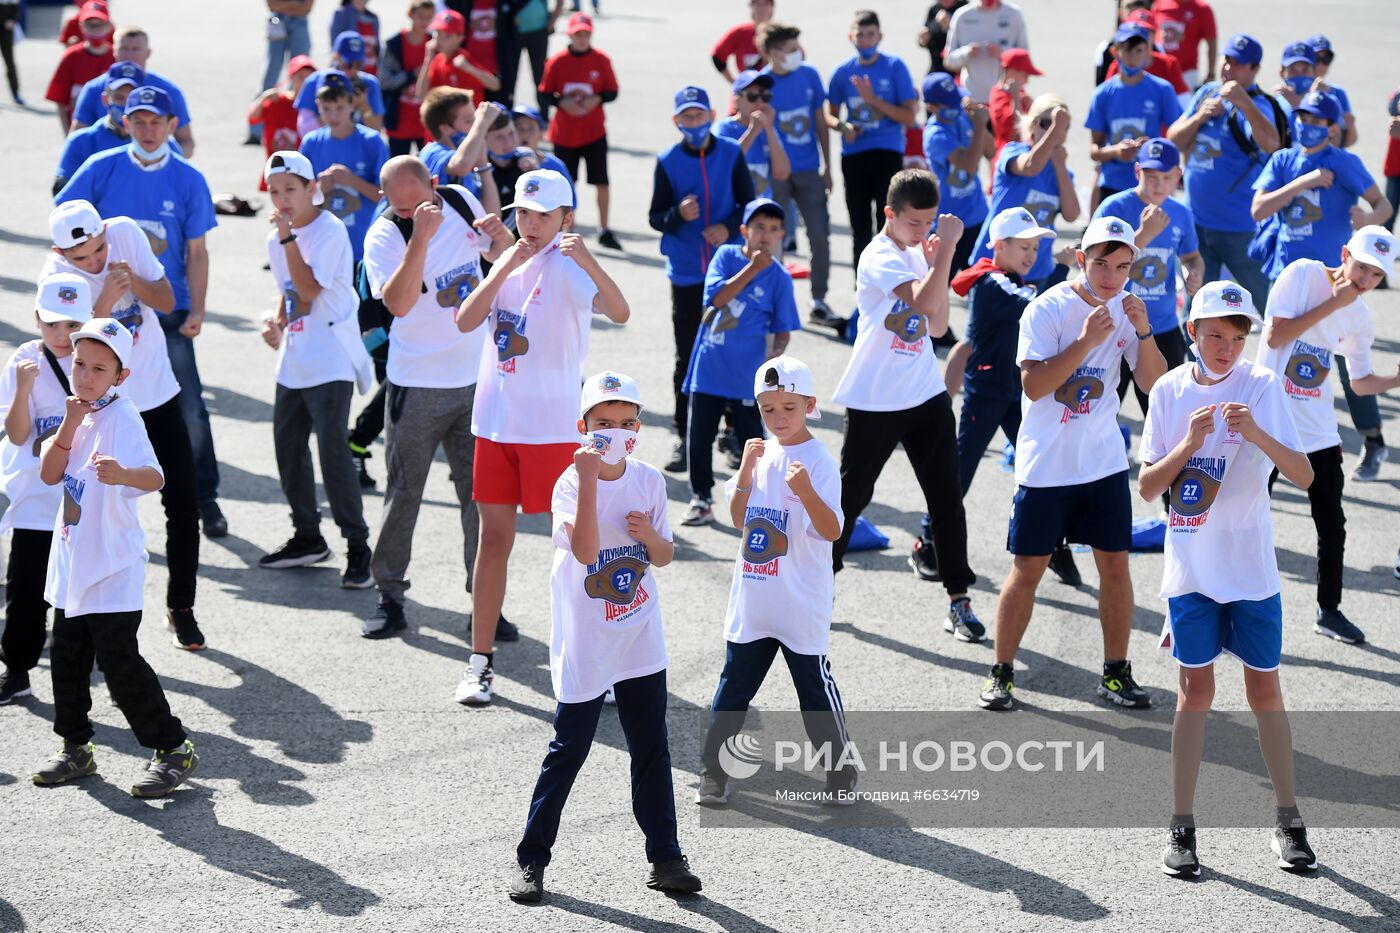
pixel 1247 144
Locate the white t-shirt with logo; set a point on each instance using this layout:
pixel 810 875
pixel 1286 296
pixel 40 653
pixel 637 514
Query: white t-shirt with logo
pixel 1305 362
pixel 426 350
pixel 1220 539
pixel 98 559
pixel 152 381
pixel 783 582
pixel 607 614
pixel 311 354
pixel 1071 436
pixel 531 372
pixel 33 502
pixel 892 365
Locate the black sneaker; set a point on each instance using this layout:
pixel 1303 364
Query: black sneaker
pixel 996 692
pixel 505 630
pixel 357 575
pixel 1179 857
pixel 1119 687
pixel 212 518
pixel 167 771
pixel 840 788
pixel 13 685
pixel 607 239
pixel 1290 845
pixel 360 455
pixel 712 792
pixel 73 761
pixel 387 620
pixel 526 884
pixel 1333 624
pixel 674 875
pixel 1062 566
pixel 924 561
pixel 297 552
pixel 186 631
pixel 819 312
pixel 678 462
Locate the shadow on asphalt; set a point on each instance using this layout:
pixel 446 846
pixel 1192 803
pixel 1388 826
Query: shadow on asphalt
pixel 1386 907
pixel 11 920
pixel 726 918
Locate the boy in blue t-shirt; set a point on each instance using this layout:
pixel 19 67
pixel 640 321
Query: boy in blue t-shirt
pixel 1166 238
pixel 106 132
pixel 1298 74
pixel 1127 110
pixel 368 100
pixel 880 100
pixel 753 127
pixel 347 157
pixel 955 138
pixel 1323 56
pixel 748 297
pixel 458 148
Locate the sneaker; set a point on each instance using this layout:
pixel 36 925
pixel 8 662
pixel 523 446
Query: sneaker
pixel 475 688
pixel 924 560
pixel 1120 688
pixel 840 788
pixel 357 575
pixel 996 692
pixel 607 239
pixel 963 622
pixel 72 761
pixel 13 685
pixel 610 697
pixel 212 518
pixel 1290 845
pixel 1373 454
pixel 1062 566
pixel 167 771
pixel 360 455
pixel 1333 624
pixel 1179 857
pixel 712 791
pixel 526 884
pixel 674 875
pixel 386 620
pixel 820 313
pixel 699 513
pixel 252 139
pixel 297 552
pixel 185 629
pixel 678 462
pixel 505 630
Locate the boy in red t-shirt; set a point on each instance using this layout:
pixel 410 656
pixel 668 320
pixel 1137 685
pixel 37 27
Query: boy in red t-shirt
pixel 1009 99
pixel 449 64
pixel 275 111
pixel 738 43
pixel 399 68
pixel 1181 26
pixel 481 37
pixel 577 82
pixel 80 63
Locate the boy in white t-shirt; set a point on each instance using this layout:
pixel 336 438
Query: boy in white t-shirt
pixel 97 567
pixel 786 502
pixel 538 302
pixel 1314 313
pixel 893 389
pixel 1071 468
pixel 33 399
pixel 1213 431
pixel 321 359
pixel 610 529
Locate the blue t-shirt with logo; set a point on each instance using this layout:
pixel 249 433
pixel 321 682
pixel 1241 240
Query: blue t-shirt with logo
pixel 1154 274
pixel 171 203
pixel 960 192
pixel 1316 224
pixel 1219 174
pixel 436 156
pixel 797 105
pixel 306 97
pixel 90 108
pixel 733 340
pixel 1127 111
pixel 364 153
pixel 757 158
pixel 1039 194
pixel 890 81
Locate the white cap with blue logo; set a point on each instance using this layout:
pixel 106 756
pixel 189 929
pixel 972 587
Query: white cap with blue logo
pixel 112 333
pixel 608 386
pixel 1223 299
pixel 1375 246
pixel 1110 230
pixel 63 296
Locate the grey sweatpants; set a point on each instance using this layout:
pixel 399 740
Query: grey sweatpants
pixel 416 421
pixel 810 193
pixel 324 409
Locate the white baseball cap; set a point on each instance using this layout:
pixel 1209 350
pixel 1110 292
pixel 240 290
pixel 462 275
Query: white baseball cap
pixel 542 190
pixel 1016 223
pixel 1223 299
pixel 789 374
pixel 1109 230
pixel 73 223
pixel 64 296
pixel 608 386
pixel 1374 246
pixel 291 162
pixel 110 332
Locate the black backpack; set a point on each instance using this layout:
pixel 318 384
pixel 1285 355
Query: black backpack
pixel 1247 144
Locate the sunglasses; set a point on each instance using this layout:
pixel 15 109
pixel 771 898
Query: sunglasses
pixel 754 97
pixel 1324 58
pixel 1045 122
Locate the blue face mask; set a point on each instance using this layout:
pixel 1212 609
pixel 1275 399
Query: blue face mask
pixel 1309 134
pixel 1300 84
pixel 114 113
pixel 947 115
pixel 1127 72
pixel 867 51
pixel 457 138
pixel 160 152
pixel 695 136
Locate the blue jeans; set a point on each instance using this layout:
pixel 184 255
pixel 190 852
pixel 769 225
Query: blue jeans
pixel 182 361
pixel 1221 247
pixel 281 51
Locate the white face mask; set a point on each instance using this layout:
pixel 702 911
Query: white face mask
pixel 615 444
pixel 1084 283
pixel 791 60
pixel 1210 373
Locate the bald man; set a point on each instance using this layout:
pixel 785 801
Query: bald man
pixel 422 257
pixel 133 45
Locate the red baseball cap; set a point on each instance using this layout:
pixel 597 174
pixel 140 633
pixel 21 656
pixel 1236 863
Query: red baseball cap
pixel 299 62
pixel 1141 17
pixel 1019 60
pixel 449 21
pixel 579 22
pixel 94 9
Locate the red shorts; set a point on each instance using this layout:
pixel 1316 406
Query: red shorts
pixel 519 474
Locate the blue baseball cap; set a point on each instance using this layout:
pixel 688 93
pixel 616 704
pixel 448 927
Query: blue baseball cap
pixel 763 204
pixel 532 112
pixel 1298 52
pixel 124 73
pixel 751 77
pixel 1244 49
pixel 334 77
pixel 940 89
pixel 350 46
pixel 1321 105
pixel 1319 44
pixel 691 98
pixel 1159 155
pixel 1129 31
pixel 149 97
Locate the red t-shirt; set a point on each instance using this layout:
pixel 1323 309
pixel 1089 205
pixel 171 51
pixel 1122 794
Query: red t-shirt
pixel 1392 152
pixel 72 31
pixel 1181 25
pixel 278 116
pixel 480 44
pixel 567 74
pixel 410 123
pixel 370 30
pixel 738 43
pixel 443 73
pixel 1003 112
pixel 76 67
pixel 1163 66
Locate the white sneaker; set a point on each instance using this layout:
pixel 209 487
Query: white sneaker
pixel 610 698
pixel 699 513
pixel 475 688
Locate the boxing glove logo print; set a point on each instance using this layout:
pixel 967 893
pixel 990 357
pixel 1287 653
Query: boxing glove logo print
pixel 616 579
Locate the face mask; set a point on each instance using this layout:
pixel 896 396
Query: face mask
pixel 867 51
pixel 457 138
pixel 1301 84
pixel 791 60
pixel 114 113
pixel 695 136
pixel 501 156
pixel 103 402
pixel 1127 72
pixel 160 152
pixel 1090 289
pixel 948 115
pixel 1200 361
pixel 613 443
pixel 1309 134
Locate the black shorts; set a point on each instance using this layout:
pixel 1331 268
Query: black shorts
pixel 1097 513
pixel 594 157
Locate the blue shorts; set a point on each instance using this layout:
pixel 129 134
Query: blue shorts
pixel 1199 630
pixel 1099 514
